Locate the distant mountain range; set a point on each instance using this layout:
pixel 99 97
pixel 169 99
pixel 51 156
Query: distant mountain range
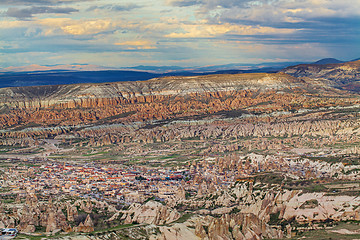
pixel 21 79
pixel 152 69
pixel 328 61
pixel 273 66
pixel 62 67
pixel 35 75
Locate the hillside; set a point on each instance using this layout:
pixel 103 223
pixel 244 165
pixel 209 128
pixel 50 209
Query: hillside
pixel 341 75
pixel 159 99
pixel 82 94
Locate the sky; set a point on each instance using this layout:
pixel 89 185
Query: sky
pixel 122 33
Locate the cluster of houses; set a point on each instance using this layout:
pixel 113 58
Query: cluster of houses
pixel 138 183
pixel 106 183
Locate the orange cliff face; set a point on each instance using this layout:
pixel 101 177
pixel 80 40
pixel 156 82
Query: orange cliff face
pixel 92 95
pixel 158 99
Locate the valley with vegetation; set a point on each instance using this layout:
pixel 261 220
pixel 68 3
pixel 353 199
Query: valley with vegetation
pixel 217 157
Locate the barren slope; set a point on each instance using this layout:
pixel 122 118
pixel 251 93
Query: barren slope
pixel 161 99
pixel 81 94
pixel 339 74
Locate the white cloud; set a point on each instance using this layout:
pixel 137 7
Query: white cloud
pixel 76 27
pixel 205 30
pixel 12 24
pixel 284 11
pixel 137 44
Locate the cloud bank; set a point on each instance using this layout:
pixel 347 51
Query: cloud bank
pixel 27 13
pixel 183 32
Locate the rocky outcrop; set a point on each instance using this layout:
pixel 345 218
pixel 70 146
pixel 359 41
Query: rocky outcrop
pixel 52 215
pixel 285 204
pixel 86 226
pixel 27 221
pixel 71 212
pixel 319 207
pixel 260 214
pixel 241 226
pixel 151 213
pixel 330 130
pixel 227 227
pixel 34 214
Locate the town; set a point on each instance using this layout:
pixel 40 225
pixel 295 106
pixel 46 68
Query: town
pixel 130 184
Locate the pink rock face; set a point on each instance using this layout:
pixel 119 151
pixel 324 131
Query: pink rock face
pixel 157 99
pixel 151 213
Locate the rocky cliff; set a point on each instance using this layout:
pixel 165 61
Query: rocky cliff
pixel 160 99
pixel 97 95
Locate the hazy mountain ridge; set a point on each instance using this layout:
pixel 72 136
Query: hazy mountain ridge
pixel 22 79
pixel 60 67
pixel 145 68
pixel 328 61
pixel 36 75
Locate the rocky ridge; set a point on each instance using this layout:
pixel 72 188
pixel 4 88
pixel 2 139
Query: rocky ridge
pixel 244 211
pixel 97 95
pixel 339 74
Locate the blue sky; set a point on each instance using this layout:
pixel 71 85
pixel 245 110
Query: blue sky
pixel 176 32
